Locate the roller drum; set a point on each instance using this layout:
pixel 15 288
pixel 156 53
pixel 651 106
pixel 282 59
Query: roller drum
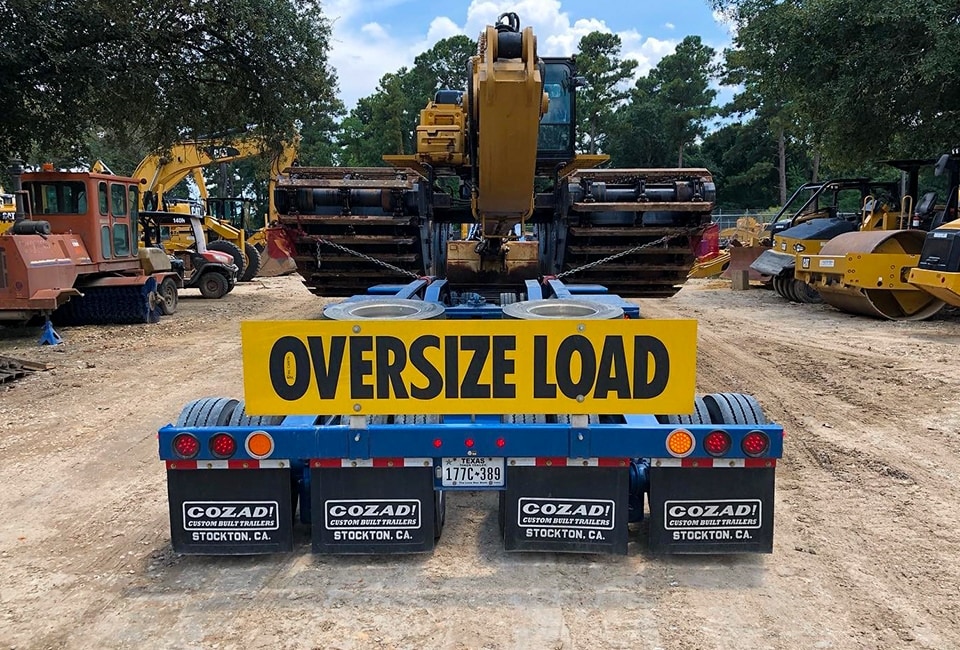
pixel 898 304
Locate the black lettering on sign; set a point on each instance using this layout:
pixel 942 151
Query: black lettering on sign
pixel 451 366
pixel 391 359
pixel 542 389
pixel 360 367
pixel 289 375
pixel 327 372
pixel 646 348
pixel 419 360
pixel 471 387
pixel 502 366
pixel 613 374
pixel 581 346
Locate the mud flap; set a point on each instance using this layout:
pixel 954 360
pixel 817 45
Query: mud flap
pixel 371 510
pixel 230 512
pixel 708 510
pixel 566 509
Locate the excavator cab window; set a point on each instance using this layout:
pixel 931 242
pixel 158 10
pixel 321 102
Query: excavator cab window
pixel 556 137
pixel 102 195
pixel 134 198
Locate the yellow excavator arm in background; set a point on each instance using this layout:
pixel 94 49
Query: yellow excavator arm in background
pixel 160 172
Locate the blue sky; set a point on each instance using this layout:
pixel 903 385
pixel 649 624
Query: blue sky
pixel 373 37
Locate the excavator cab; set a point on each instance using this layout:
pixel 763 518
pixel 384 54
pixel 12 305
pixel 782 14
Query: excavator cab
pixel 557 136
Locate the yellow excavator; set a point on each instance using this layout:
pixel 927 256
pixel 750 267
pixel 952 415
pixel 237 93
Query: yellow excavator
pixel 495 197
pixel 8 208
pixel 160 172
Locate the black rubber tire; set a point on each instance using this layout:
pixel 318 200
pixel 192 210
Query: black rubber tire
pixel 228 247
pixel 168 296
pixel 416 419
pixel 208 412
pixel 522 418
pixel 778 283
pixel 253 263
pixel 734 408
pixel 239 418
pixel 439 512
pixel 790 288
pixel 214 284
pixel 807 294
pixel 700 415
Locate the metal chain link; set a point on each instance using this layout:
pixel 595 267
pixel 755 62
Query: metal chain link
pixel 386 265
pixel 610 258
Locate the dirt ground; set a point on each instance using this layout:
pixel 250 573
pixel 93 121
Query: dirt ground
pixel 867 551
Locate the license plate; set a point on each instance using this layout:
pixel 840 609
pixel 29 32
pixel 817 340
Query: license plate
pixel 471 472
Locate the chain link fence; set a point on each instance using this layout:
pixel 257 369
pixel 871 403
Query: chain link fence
pixel 728 218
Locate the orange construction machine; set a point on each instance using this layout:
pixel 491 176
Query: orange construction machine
pixel 73 251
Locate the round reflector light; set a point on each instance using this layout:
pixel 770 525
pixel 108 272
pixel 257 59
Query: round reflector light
pixel 501 443
pixel 468 442
pixel 186 445
pixel 717 443
pixel 259 444
pixel 680 443
pixel 223 445
pixel 755 443
pixel 437 442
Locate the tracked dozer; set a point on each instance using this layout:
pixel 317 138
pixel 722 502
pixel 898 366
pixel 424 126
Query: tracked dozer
pixel 495 195
pixel 72 253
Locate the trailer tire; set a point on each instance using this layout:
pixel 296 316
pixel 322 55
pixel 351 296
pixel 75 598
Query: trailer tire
pixel 208 412
pixel 700 415
pixel 734 408
pixel 439 512
pixel 239 418
pixel 169 298
pixel 254 260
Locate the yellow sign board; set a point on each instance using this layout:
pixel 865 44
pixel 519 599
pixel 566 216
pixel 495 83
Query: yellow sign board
pixel 468 366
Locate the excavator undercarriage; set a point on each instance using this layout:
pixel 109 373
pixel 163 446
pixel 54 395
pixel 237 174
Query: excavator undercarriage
pixel 496 195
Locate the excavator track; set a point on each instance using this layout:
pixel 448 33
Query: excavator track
pixel 371 211
pixel 614 210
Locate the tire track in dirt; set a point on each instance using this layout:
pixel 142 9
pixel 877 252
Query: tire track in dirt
pixel 859 493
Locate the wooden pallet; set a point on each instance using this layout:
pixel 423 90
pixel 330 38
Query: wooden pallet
pixel 11 369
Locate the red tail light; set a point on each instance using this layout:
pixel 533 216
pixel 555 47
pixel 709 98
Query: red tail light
pixel 717 443
pixel 501 443
pixel 223 445
pixel 186 445
pixel 468 442
pixel 755 443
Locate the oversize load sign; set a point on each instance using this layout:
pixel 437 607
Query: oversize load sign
pixel 463 367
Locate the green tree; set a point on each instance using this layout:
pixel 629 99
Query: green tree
pixel 867 80
pixel 155 70
pixel 605 72
pixel 681 82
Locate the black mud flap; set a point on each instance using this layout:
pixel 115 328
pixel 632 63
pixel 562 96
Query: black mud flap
pixel 371 510
pixel 566 509
pixel 230 512
pixel 707 510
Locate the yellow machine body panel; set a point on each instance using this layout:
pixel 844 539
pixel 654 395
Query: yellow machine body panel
pixel 461 367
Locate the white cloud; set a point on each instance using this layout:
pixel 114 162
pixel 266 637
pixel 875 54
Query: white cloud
pixel 670 26
pixel 374 30
pixel 363 53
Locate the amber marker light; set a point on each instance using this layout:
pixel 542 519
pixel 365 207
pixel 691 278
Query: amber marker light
pixel 259 444
pixel 680 443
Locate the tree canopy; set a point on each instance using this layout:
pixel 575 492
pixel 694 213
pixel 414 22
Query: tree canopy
pixel 155 71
